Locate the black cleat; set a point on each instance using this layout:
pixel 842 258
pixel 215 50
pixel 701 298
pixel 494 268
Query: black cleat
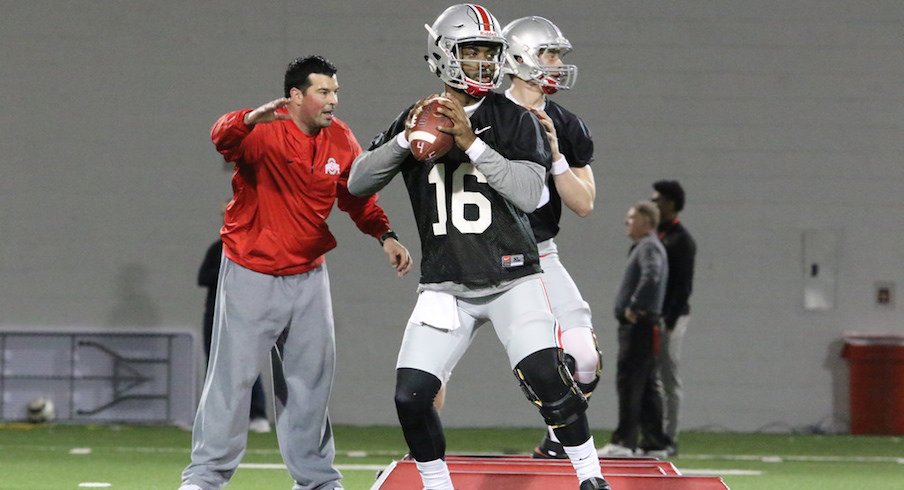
pixel 595 484
pixel 549 449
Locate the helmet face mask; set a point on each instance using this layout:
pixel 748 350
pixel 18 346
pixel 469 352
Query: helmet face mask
pixel 528 39
pixel 451 44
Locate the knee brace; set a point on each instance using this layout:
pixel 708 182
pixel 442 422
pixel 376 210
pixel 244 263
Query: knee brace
pixel 547 382
pixel 571 363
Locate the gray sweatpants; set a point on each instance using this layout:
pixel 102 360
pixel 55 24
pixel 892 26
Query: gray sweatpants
pixel 252 310
pixel 671 380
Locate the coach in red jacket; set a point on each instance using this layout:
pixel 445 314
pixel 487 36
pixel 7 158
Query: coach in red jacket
pixel 292 160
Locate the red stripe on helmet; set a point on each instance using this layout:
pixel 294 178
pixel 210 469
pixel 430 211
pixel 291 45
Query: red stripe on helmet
pixel 483 17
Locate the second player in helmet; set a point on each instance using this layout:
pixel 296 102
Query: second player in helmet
pixel 535 60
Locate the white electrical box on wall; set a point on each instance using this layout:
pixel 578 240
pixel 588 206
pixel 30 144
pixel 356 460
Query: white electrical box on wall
pixel 885 295
pixel 820 268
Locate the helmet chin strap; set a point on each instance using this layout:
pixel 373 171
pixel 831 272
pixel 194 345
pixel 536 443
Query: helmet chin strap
pixel 473 91
pixel 550 85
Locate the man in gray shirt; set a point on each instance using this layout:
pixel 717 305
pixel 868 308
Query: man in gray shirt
pixel 638 305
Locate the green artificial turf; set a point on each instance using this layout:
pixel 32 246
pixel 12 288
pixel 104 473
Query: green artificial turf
pixel 146 458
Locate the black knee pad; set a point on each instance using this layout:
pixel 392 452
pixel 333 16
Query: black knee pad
pixel 423 431
pixel 547 382
pixel 415 391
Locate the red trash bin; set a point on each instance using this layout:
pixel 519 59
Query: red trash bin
pixel 876 382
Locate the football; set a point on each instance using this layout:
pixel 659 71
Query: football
pixel 41 410
pixel 427 142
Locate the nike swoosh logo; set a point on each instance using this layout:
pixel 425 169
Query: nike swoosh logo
pixel 478 131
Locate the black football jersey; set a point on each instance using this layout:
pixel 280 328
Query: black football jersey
pixel 470 234
pixel 577 147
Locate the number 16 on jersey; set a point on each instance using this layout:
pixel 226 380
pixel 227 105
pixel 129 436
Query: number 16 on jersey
pixel 460 199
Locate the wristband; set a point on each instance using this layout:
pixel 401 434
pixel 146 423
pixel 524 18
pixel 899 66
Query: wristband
pixel 559 166
pixel 476 149
pixel 402 141
pixel 386 236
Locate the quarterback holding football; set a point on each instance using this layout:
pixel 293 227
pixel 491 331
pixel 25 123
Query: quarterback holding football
pixel 480 262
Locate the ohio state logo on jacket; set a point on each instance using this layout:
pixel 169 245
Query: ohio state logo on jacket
pixel 332 167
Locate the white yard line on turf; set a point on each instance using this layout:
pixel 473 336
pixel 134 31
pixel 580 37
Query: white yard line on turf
pixel 345 467
pixel 795 458
pixel 398 454
pixel 714 472
pixel 379 467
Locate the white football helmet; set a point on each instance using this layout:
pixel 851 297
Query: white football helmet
pixel 527 38
pixel 460 24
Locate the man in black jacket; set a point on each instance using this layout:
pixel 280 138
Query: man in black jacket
pixel 681 250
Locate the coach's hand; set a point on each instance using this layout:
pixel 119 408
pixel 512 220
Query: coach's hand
pixel 267 113
pixel 398 256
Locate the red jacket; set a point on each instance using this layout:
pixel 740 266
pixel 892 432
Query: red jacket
pixel 284 187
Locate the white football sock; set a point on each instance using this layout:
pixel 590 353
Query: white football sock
pixel 435 475
pixel 584 459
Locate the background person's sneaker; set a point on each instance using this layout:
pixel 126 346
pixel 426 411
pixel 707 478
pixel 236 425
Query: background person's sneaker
pixel 655 453
pixel 615 451
pixel 259 425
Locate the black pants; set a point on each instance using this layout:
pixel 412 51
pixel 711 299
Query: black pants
pixel 640 394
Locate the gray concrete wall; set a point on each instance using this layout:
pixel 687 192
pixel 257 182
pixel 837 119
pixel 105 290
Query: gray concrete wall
pixel 778 117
